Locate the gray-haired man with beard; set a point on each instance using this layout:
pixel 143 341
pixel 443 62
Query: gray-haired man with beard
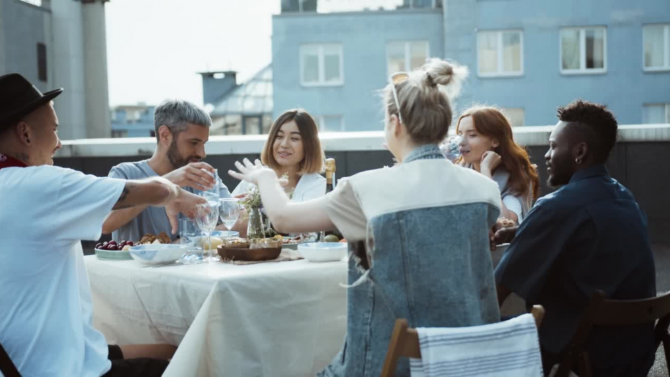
pixel 182 129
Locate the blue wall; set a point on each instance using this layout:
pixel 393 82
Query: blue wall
pixel 363 36
pixel 25 26
pixel 624 88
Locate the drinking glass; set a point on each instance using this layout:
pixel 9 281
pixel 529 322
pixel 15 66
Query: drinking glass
pixel 229 210
pixel 213 193
pixel 450 148
pixel 206 216
pixel 190 236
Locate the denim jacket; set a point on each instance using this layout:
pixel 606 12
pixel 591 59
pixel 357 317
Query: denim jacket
pixel 428 256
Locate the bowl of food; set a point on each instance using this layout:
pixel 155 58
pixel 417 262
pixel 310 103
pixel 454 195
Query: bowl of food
pixel 255 250
pixel 157 253
pixel 323 251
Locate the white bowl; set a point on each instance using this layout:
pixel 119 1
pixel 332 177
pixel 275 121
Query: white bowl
pixel 157 253
pixel 323 251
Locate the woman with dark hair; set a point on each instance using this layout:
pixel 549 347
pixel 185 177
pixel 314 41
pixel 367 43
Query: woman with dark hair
pixel 488 147
pixel 293 148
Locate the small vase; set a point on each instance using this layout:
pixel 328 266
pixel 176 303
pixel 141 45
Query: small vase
pixel 256 225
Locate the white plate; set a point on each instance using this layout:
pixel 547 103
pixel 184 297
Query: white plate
pixel 157 253
pixel 323 251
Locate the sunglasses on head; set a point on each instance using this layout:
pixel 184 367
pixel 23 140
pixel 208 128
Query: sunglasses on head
pixel 397 79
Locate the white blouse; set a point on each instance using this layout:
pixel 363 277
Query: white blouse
pixel 310 186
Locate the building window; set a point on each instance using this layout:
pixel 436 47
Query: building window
pixel 120 133
pixel 656 113
pixel 321 65
pixel 42 62
pixel 405 56
pixel 298 6
pixel 500 53
pixel 252 125
pixel 583 50
pixel 330 123
pixel 656 41
pixel 515 115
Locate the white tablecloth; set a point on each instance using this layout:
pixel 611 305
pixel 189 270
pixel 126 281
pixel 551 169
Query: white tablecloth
pixel 268 319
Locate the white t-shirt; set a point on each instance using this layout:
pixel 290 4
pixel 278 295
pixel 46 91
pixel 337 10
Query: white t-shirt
pixel 45 299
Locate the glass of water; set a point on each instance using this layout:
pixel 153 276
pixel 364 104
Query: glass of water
pixel 214 192
pixel 206 217
pixel 189 236
pixel 450 148
pixel 229 210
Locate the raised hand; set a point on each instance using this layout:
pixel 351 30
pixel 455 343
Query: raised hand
pixel 251 172
pixel 196 175
pixel 490 161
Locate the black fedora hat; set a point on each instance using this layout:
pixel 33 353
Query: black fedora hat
pixel 18 98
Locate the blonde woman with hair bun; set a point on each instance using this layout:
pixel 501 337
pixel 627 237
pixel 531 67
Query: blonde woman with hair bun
pixel 419 231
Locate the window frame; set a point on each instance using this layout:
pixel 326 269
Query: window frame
pixel 666 47
pixel 507 113
pixel 407 53
pixel 582 70
pixel 666 115
pixel 499 52
pixel 322 124
pixel 321 62
pixel 42 62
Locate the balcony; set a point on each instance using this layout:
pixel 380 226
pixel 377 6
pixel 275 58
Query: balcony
pixel 637 160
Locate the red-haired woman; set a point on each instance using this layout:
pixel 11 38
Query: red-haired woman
pixel 488 147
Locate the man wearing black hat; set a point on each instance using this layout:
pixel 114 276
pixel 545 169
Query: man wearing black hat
pixel 46 316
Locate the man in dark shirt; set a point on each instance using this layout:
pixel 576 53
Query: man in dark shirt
pixel 590 234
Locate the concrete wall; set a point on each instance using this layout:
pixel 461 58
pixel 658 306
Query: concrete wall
pixel 363 36
pixel 637 160
pixel 624 88
pixel 23 26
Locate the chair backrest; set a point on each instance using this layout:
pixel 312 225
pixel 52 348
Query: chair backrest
pixel 405 342
pixel 7 367
pixel 613 313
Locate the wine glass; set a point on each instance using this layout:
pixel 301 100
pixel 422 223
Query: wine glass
pixel 229 210
pixel 206 216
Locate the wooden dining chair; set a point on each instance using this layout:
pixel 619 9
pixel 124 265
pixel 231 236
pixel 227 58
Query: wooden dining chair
pixel 405 342
pixel 7 367
pixel 616 313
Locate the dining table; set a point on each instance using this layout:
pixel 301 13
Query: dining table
pixel 266 319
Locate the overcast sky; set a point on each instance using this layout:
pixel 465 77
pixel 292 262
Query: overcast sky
pixel 156 47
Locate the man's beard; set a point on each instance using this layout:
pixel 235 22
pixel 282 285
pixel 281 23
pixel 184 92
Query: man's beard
pixel 175 157
pixel 561 173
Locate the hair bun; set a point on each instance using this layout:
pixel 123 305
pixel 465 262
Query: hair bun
pixel 445 73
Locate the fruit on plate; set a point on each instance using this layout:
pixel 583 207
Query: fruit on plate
pixel 343 240
pixel 331 238
pixel 214 242
pixel 113 245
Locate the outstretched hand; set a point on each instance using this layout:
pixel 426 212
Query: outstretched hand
pixel 251 172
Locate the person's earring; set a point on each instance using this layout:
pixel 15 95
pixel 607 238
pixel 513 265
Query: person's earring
pixel 578 161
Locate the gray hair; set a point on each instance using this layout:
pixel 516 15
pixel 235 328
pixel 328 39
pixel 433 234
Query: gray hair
pixel 178 114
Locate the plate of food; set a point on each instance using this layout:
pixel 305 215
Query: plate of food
pixel 323 251
pixel 241 249
pixel 112 250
